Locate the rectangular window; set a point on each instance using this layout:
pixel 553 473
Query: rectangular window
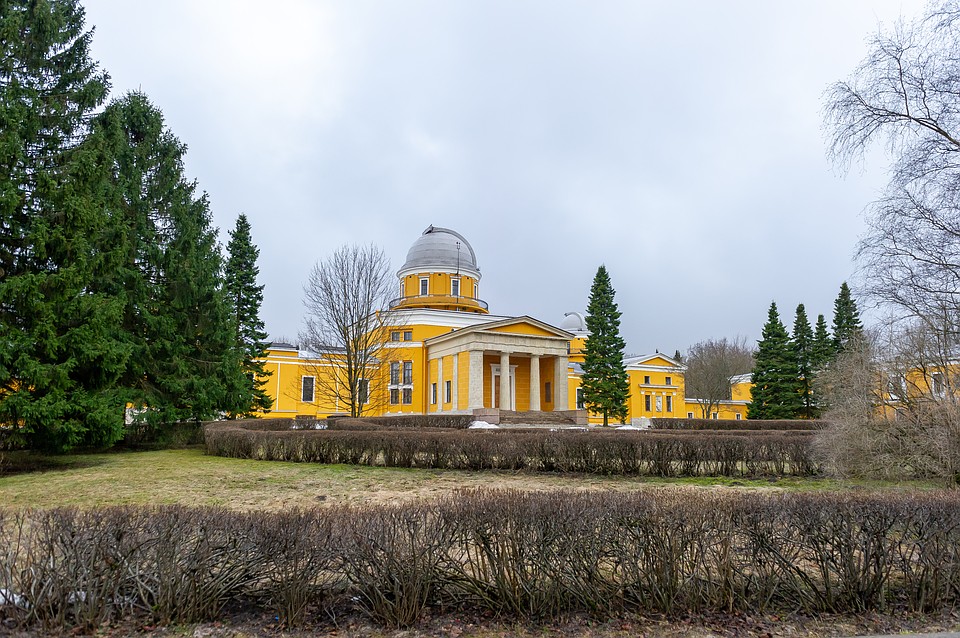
pixel 407 372
pixel 738 416
pixel 447 391
pixel 580 399
pixel 669 381
pixel 646 380
pixel 455 287
pixel 424 286
pixel 407 396
pixel 659 404
pixel 716 416
pixel 395 373
pixel 306 389
pixel 689 415
pixel 669 403
pixel 401 290
pixel 408 335
pixel 395 335
pixel 476 291
pixel 363 391
pixel 433 393
pixel 937 383
pixel 394 396
pixel 646 402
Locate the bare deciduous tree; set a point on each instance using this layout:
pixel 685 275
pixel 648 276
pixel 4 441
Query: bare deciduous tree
pixel 348 327
pixel 894 412
pixel 710 365
pixel 906 92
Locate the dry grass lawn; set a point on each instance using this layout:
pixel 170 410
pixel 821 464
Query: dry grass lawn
pixel 190 477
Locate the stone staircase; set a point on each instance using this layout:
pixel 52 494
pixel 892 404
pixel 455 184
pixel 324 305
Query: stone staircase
pixel 509 417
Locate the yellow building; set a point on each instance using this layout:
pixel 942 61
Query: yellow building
pixel 448 354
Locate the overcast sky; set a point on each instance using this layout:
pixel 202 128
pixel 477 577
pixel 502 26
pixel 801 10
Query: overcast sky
pixel 679 143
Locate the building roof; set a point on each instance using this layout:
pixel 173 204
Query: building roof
pixel 441 249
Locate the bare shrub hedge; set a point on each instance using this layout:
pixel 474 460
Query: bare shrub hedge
pixel 593 452
pixel 733 424
pixel 529 555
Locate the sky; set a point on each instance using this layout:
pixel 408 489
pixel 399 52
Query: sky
pixel 678 143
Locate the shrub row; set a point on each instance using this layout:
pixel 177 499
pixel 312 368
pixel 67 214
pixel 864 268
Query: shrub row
pixel 732 424
pixel 593 452
pixel 530 555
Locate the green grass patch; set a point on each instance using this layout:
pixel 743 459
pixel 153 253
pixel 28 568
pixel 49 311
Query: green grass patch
pixel 189 477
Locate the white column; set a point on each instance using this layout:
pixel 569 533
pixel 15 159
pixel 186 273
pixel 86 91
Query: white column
pixel 560 382
pixel 504 381
pixel 475 381
pixel 440 384
pixel 534 383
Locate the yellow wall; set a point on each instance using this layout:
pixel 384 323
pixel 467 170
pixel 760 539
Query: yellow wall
pixel 725 410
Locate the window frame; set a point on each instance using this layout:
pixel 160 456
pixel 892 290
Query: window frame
pixel 448 391
pixel 454 286
pixel 424 286
pixel 433 393
pixel 313 388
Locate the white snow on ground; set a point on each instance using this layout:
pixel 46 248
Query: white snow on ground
pixel 483 425
pixel 7 597
pixel 629 427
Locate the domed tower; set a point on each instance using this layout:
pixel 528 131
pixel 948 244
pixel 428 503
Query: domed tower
pixel 440 273
pixel 575 323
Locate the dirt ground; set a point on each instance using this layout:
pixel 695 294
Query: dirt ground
pixel 240 625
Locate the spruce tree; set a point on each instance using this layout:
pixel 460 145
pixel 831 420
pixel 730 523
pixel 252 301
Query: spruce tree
pixel 776 385
pixel 60 303
pixel 176 316
pixel 245 298
pixel 822 351
pixel 846 318
pixel 803 352
pixel 604 379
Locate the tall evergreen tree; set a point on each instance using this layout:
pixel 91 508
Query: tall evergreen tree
pixel 803 351
pixel 176 316
pixel 245 298
pixel 62 351
pixel 846 318
pixel 776 385
pixel 822 351
pixel 604 380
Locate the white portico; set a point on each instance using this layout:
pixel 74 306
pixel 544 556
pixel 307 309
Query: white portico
pixel 516 363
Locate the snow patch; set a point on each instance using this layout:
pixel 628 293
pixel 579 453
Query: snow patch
pixel 483 425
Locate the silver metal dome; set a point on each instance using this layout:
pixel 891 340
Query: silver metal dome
pixel 443 250
pixel 574 322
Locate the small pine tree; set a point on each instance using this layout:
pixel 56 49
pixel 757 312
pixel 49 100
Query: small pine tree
pixel 677 356
pixel 604 380
pixel 245 298
pixel 846 318
pixel 776 385
pixel 803 351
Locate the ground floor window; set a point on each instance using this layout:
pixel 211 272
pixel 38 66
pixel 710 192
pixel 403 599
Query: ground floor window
pixel 447 391
pixel 738 416
pixel 433 393
pixel 580 399
pixel 363 391
pixel 669 404
pixel 306 389
pixel 407 396
pixel 646 402
pixel 394 396
pixel 548 392
pixel 689 415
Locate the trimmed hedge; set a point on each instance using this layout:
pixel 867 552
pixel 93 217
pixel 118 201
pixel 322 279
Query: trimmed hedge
pixel 593 452
pixel 527 555
pixel 733 424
